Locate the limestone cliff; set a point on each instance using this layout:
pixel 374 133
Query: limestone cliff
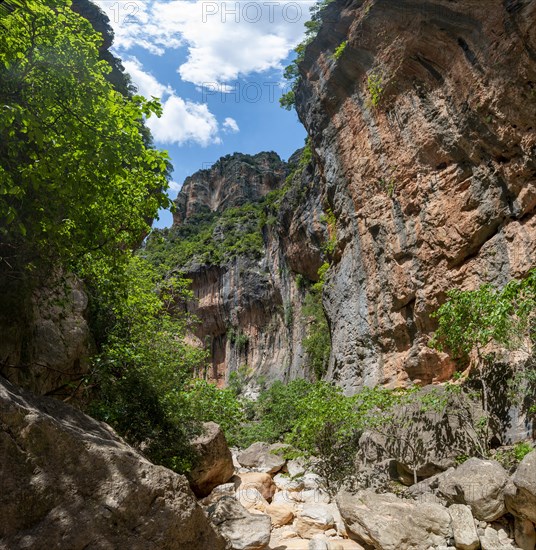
pixel 243 247
pixel 423 129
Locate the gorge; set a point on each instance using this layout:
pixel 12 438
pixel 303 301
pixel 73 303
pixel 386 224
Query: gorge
pixel 302 305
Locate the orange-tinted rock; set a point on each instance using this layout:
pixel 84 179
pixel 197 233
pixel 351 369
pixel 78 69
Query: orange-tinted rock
pixel 435 186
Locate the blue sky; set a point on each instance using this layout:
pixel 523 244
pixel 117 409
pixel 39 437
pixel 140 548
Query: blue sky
pixel 217 67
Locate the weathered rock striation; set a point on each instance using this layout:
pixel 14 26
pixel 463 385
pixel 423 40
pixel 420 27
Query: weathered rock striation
pixel 69 481
pixel 232 180
pixel 249 304
pixel 424 133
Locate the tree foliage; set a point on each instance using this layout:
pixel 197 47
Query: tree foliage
pixel 143 371
pixel 77 180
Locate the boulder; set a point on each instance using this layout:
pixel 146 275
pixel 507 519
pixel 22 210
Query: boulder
pixel 251 499
pixel 424 438
pixel 296 467
pixel 263 457
pixel 463 527
pixel 287 483
pixel 525 534
pixel 344 545
pixel 69 481
pixel 478 483
pixel 214 463
pixel 280 514
pixel 285 497
pixel 491 540
pixel 243 530
pixel 225 490
pixel 261 481
pixel 521 493
pixel 314 519
pixel 387 522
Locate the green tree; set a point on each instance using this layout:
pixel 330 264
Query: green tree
pixel 143 371
pixel 77 180
pixel 469 321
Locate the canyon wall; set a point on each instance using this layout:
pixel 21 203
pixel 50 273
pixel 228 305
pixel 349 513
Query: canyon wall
pixel 249 305
pixel 423 130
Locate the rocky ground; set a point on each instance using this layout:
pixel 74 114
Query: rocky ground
pixel 69 481
pixel 277 504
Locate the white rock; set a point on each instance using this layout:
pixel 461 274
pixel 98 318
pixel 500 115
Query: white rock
pixel 389 523
pixel 296 467
pixel 463 527
pixel 286 483
pixel 243 530
pixel 251 499
pixel 314 519
pixel 480 484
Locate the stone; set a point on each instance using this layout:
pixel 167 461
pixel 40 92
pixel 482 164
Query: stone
pixel 214 462
pixel 490 540
pixel 427 486
pixel 285 497
pixel 280 514
pixel 318 544
pixel 521 493
pixel 225 490
pixel 525 533
pixel 296 467
pixel 251 499
pixel 244 531
pixel 344 545
pixel 387 522
pixel 69 481
pixel 293 544
pixel 478 483
pixel 313 481
pixel 263 457
pixel 463 527
pixel 287 483
pixel 310 496
pixel 257 480
pixel 314 519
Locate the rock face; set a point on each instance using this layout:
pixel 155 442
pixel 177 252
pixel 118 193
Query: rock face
pixel 423 132
pixel 233 180
pixel 46 341
pixel 214 461
pixel 68 481
pixel 249 303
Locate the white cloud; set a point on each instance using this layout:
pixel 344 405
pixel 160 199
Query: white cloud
pixel 222 46
pixel 184 121
pixel 146 83
pixel 230 125
pixel 174 186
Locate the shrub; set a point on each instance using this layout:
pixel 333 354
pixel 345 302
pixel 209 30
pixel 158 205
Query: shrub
pixel 276 412
pixel 375 88
pixel 317 342
pixel 339 50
